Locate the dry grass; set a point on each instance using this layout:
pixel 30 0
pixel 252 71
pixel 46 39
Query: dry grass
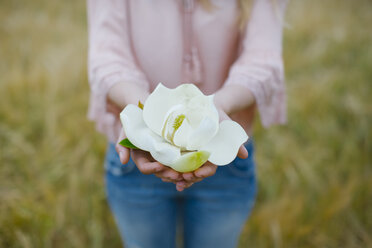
pixel 315 174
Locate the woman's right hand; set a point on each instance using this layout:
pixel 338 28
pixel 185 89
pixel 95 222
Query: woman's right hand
pixel 145 163
pixel 122 94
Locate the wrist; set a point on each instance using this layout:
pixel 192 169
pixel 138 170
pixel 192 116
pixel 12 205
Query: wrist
pixel 233 98
pixel 219 103
pixel 124 93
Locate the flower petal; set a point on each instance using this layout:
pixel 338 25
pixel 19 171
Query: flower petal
pixel 182 134
pixel 200 136
pixel 200 107
pixel 135 128
pixel 190 161
pixel 161 100
pixel 164 152
pixel 203 117
pixel 141 136
pixel 225 145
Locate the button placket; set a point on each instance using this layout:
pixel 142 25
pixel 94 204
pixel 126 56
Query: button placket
pixel 190 60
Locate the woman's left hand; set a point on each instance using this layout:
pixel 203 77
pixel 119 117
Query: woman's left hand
pixel 208 169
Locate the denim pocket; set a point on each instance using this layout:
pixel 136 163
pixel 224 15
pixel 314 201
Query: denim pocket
pixel 113 164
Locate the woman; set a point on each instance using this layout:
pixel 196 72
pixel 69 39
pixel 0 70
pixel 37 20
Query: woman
pixel 134 45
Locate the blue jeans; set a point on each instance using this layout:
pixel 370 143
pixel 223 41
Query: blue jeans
pixel 210 213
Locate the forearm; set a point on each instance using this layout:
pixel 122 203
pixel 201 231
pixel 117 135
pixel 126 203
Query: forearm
pixel 232 98
pixel 122 94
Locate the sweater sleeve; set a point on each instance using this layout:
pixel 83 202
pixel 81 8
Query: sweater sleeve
pixel 110 58
pixel 259 67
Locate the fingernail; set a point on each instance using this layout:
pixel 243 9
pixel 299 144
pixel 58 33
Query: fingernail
pixel 179 188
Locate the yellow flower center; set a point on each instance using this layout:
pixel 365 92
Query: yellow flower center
pixel 178 122
pixel 171 125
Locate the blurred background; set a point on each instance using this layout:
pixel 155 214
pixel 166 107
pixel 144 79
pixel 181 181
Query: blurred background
pixel 315 174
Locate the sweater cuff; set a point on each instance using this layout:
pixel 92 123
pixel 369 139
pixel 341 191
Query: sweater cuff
pixel 98 111
pixel 266 82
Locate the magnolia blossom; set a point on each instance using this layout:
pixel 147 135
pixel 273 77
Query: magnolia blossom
pixel 180 128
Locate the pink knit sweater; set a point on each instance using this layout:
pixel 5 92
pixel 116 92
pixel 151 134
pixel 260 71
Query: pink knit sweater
pixel 177 41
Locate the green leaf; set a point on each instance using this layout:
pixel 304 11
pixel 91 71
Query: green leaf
pixel 126 143
pixel 140 104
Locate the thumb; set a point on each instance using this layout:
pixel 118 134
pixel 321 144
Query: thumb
pixel 242 153
pixel 121 150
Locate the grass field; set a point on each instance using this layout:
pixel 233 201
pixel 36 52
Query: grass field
pixel 315 174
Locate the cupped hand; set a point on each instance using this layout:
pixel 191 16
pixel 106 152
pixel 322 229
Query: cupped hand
pixel 145 163
pixel 208 169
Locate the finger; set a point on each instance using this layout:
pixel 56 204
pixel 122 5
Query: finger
pixel 122 151
pixel 169 180
pixel 144 163
pixel 242 153
pixel 180 186
pixel 169 174
pixel 148 168
pixel 207 170
pixel 191 178
pixel 188 176
pixel 196 180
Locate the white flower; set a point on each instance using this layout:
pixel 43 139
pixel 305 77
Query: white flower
pixel 180 128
